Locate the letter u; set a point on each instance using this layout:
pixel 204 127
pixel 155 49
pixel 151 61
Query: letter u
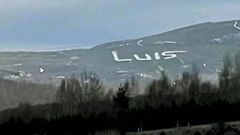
pixel 147 57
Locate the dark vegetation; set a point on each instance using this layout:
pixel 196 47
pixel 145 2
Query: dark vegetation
pixel 14 92
pixel 85 106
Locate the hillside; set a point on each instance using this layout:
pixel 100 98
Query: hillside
pixel 173 52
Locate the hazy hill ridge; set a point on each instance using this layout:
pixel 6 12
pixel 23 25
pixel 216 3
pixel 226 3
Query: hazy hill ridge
pixel 173 52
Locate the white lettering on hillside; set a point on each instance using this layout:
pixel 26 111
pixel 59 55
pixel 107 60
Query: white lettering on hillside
pixel 235 25
pixel 171 54
pixel 166 54
pixel 116 58
pixel 139 43
pixel 157 56
pixel 147 57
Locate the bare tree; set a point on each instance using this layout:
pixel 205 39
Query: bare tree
pixel 74 93
pixel 225 76
pixel 121 100
pixel 69 96
pixel 92 86
pixel 237 64
pixel 194 88
pixel 159 92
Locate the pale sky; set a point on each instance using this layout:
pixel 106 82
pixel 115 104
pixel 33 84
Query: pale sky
pixel 60 24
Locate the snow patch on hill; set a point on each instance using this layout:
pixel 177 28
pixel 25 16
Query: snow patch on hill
pixel 18 64
pixel 160 68
pixel 74 58
pixel 144 75
pixel 19 75
pixel 122 71
pixel 217 40
pixel 185 66
pixel 118 46
pixel 228 37
pixel 164 42
pixel 61 77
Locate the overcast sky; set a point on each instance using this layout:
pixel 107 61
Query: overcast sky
pixel 59 24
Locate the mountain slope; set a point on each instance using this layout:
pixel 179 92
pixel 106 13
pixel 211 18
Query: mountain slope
pixel 203 44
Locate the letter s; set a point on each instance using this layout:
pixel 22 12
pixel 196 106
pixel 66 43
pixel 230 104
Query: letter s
pixel 171 54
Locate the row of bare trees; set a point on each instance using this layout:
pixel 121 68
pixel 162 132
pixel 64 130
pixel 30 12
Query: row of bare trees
pixel 86 95
pixel 75 93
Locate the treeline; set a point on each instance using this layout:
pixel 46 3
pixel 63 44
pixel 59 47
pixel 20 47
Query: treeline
pixel 82 104
pixel 12 93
